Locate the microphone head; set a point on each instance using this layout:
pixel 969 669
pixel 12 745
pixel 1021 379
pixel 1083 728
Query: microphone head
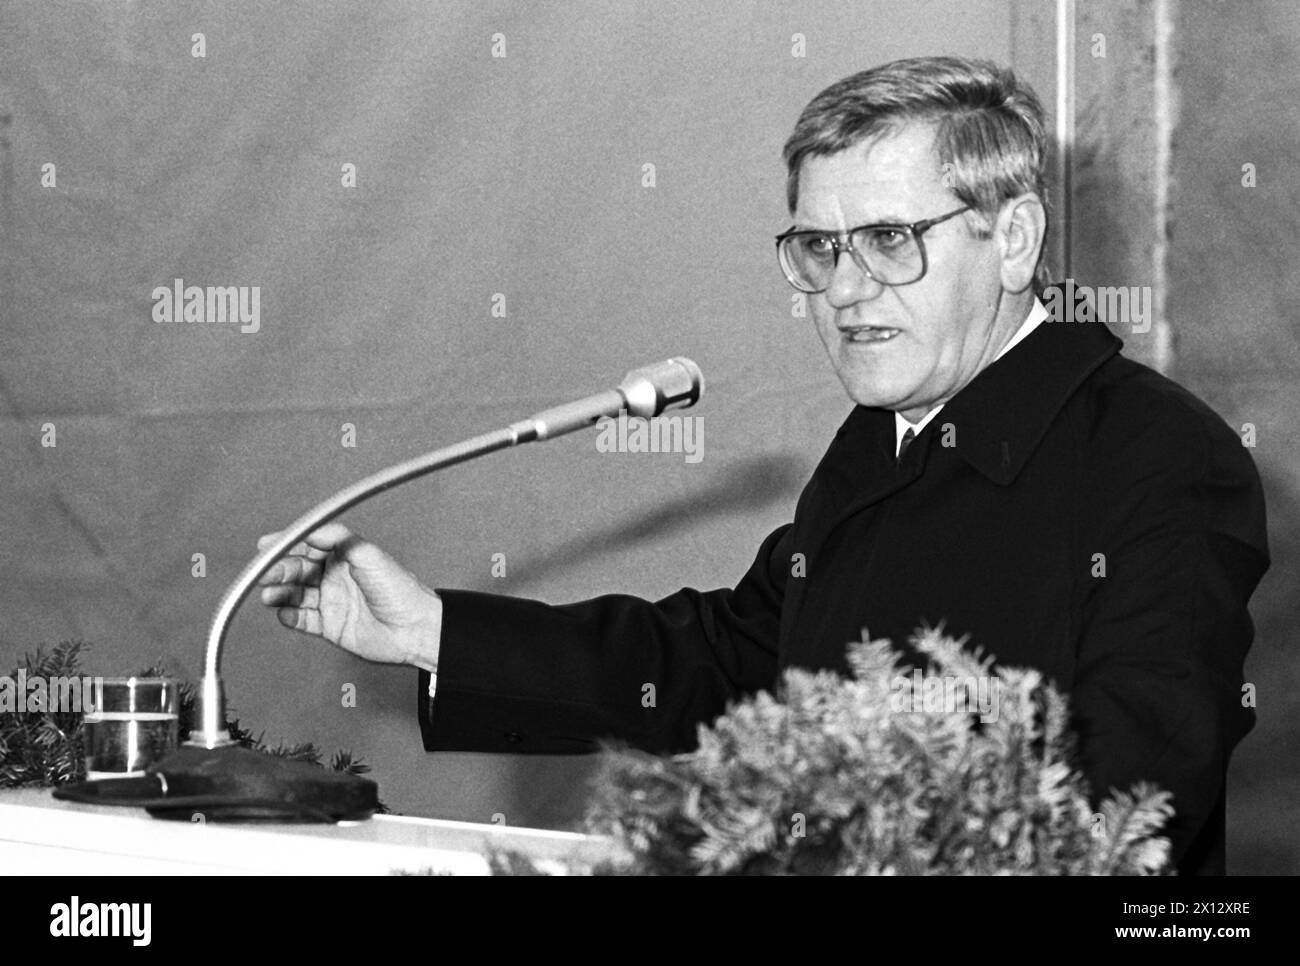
pixel 672 384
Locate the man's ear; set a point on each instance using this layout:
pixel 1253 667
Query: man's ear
pixel 1020 233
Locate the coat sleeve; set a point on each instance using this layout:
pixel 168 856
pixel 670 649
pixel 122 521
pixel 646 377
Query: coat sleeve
pixel 519 675
pixel 1158 692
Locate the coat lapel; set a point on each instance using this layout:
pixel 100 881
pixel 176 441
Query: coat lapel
pixel 998 419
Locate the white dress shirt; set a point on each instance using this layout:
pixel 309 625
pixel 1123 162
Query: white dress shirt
pixel 1035 318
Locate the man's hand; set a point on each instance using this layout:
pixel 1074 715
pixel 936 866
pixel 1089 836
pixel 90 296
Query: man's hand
pixel 338 586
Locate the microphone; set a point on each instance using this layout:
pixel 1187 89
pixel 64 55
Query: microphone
pixel 673 384
pixel 648 391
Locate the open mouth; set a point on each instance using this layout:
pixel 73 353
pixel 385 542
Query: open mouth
pixel 869 333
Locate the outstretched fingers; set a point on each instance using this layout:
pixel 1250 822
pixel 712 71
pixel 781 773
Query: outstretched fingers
pixel 309 621
pixel 317 544
pixel 293 570
pixel 292 584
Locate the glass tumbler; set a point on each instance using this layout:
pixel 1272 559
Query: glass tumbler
pixel 133 723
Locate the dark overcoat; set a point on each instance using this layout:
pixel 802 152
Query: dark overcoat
pixel 1070 510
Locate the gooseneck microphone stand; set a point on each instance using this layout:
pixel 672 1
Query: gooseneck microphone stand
pixel 645 392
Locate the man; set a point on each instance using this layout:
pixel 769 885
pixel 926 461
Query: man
pixel 1004 472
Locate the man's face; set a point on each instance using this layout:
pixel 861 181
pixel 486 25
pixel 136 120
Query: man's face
pixel 946 326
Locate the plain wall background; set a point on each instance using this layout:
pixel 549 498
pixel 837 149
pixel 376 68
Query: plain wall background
pixel 1234 305
pixel 520 175
pixel 475 175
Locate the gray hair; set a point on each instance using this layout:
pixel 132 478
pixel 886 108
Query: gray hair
pixel 988 128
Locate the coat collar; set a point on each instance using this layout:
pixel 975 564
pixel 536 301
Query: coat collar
pixel 999 418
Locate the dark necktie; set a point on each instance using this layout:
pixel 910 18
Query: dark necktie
pixel 904 443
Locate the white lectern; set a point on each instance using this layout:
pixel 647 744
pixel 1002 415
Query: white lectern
pixel 42 836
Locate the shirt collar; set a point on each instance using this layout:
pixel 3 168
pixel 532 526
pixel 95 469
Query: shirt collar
pixel 1001 415
pixel 1037 313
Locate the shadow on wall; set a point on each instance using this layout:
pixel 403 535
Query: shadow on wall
pixel 552 791
pixel 748 486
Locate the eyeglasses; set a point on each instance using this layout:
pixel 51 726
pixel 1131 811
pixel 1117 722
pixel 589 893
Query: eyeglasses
pixel 891 254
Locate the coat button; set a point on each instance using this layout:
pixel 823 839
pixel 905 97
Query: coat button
pixel 514 737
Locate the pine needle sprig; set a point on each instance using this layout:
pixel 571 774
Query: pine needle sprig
pixel 870 775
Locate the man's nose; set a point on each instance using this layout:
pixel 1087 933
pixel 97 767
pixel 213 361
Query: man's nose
pixel 850 283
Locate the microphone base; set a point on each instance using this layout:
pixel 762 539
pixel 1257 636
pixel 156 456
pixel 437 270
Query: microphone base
pixel 209 730
pixel 234 784
pixel 198 739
